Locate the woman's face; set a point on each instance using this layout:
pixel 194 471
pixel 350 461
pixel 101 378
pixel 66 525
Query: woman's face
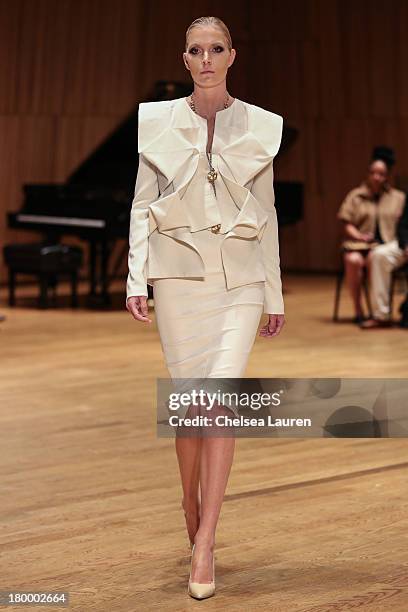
pixel 377 175
pixel 207 56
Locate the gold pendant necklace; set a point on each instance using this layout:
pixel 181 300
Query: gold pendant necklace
pixel 212 174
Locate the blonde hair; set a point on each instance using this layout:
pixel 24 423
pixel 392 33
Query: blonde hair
pixel 216 22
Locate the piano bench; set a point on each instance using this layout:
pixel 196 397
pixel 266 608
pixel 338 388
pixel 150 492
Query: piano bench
pixel 47 262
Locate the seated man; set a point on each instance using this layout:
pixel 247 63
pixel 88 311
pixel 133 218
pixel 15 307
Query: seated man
pixel 402 233
pixel 384 259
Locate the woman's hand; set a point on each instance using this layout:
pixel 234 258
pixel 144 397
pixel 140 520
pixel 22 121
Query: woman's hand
pixel 367 237
pixel 274 325
pixel 351 231
pixel 137 306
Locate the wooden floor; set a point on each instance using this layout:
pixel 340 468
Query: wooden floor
pixel 90 497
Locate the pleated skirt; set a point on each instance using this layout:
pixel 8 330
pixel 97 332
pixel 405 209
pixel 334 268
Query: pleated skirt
pixel 207 330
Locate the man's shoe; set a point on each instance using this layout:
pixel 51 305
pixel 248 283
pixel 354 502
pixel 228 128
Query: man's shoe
pixel 358 319
pixel 375 324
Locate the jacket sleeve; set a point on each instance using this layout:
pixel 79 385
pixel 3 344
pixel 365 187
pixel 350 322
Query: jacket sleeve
pixel 262 189
pixel 348 209
pixel 146 191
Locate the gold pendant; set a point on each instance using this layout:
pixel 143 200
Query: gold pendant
pixel 216 228
pixel 212 175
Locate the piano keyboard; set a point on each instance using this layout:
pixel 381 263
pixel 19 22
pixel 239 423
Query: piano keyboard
pixel 77 222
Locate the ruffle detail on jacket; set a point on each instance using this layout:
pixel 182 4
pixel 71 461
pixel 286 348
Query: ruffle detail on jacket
pixel 170 216
pixel 243 158
pixel 170 213
pixel 169 137
pixel 174 153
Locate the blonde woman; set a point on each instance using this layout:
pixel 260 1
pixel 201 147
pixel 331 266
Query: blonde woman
pixel 203 233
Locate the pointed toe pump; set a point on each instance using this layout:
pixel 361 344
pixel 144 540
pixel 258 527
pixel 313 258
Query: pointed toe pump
pixel 201 590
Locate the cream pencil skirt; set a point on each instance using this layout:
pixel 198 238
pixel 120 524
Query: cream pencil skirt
pixel 206 330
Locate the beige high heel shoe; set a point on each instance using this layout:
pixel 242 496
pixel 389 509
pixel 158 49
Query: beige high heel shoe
pixel 201 590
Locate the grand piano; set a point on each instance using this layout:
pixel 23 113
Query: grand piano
pixel 95 201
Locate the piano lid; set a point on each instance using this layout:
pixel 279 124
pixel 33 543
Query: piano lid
pixel 114 162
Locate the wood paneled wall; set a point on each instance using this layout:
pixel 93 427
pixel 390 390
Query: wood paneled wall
pixel 70 70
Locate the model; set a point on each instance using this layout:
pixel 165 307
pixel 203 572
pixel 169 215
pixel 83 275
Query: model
pixel 204 235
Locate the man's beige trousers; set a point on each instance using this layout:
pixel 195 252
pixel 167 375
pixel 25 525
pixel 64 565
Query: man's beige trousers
pixel 384 259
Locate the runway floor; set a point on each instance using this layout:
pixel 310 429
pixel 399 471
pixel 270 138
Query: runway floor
pixel 91 497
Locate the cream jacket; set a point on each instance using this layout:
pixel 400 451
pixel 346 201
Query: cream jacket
pixel 171 142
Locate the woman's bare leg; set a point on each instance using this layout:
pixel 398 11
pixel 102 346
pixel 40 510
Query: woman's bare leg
pixel 188 450
pixel 216 459
pixel 354 263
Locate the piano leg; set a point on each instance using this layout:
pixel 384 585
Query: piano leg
pixel 105 252
pixel 43 297
pixel 12 287
pixel 53 283
pixel 93 252
pixel 99 259
pixel 74 293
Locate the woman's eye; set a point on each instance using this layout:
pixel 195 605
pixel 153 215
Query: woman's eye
pixel 195 50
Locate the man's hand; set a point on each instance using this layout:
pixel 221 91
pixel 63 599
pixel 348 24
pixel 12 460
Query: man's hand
pixel 137 306
pixel 274 325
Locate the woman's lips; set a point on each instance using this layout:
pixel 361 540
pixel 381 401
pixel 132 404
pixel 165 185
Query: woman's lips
pixel 207 72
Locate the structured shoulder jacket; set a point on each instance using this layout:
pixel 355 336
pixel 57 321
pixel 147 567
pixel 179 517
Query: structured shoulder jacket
pixel 171 140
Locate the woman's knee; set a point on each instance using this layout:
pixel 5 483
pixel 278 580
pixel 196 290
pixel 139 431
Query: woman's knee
pixel 193 428
pixel 353 259
pixel 219 421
